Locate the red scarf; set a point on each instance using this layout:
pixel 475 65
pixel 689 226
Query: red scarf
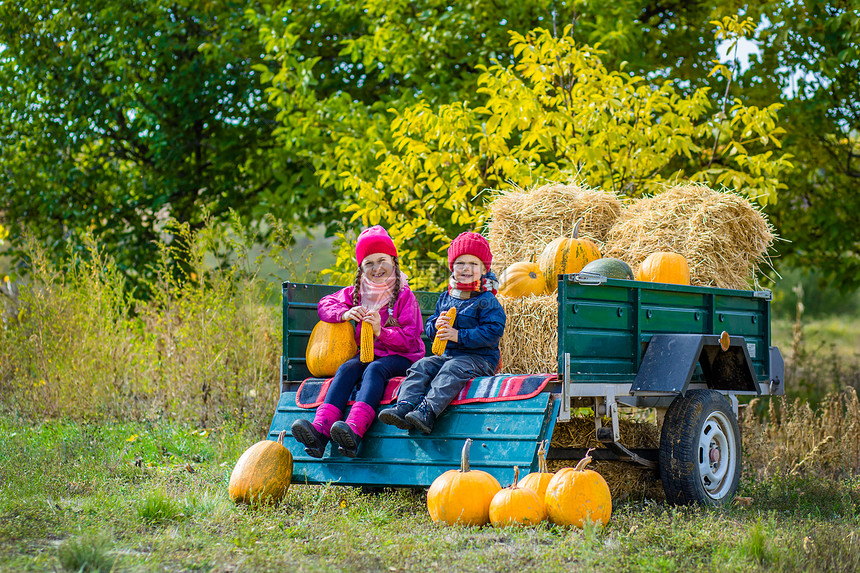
pixel 468 290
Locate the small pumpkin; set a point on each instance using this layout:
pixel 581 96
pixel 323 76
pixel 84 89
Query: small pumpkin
pixel 537 481
pixel 664 267
pixel 516 505
pixel 462 496
pixel 609 268
pixel 522 279
pixel 575 495
pixel 566 255
pixel 263 472
pixel 330 345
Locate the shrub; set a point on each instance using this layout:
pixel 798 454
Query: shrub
pixel 203 347
pixel 87 553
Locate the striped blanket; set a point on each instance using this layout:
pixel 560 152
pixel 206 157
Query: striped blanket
pixel 484 389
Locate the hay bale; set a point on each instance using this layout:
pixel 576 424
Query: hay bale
pixel 523 222
pixel 579 433
pixel 530 342
pixel 625 480
pixel 722 235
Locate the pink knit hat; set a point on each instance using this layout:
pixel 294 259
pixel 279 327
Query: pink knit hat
pixel 470 244
pixel 374 240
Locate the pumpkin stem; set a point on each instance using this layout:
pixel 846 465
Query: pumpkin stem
pixel 584 461
pixel 464 457
pixel 281 437
pixel 516 477
pixel 542 467
pixel 575 234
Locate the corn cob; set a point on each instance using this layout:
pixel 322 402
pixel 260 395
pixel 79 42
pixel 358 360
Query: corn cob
pixel 366 353
pixel 439 345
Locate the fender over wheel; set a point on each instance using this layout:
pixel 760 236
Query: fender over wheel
pixel 700 449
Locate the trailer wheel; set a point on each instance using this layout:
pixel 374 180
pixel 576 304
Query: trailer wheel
pixel 700 449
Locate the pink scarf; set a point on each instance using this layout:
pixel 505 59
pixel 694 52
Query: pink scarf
pixel 376 295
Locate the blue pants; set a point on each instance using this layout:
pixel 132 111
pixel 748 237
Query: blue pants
pixel 438 379
pixel 370 378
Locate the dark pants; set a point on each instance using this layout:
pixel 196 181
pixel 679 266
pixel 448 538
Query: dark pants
pixel 438 379
pixel 370 377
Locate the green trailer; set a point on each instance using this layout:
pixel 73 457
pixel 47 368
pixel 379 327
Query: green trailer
pixel 688 352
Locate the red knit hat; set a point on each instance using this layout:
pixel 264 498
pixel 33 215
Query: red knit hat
pixel 374 240
pixel 470 244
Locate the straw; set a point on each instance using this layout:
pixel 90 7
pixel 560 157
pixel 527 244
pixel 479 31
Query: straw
pixel 530 342
pixel 723 237
pixel 523 222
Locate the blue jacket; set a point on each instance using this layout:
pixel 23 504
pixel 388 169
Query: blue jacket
pixel 480 322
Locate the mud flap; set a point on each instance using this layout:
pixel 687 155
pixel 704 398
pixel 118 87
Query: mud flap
pixel 671 359
pixel 505 434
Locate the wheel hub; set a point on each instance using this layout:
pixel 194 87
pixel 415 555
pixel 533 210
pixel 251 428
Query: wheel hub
pixel 716 462
pixel 714 455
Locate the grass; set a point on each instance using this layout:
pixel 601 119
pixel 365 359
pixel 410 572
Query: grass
pixel 834 334
pixel 151 497
pixel 81 492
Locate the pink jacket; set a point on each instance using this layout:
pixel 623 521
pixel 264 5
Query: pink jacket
pixel 404 339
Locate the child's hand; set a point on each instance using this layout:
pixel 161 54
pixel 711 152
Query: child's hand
pixel 449 333
pixel 356 313
pixel 375 321
pixel 442 322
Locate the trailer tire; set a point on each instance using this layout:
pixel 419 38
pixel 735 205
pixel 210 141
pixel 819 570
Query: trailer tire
pixel 700 449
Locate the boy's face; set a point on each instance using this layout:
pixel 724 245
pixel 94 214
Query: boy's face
pixel 468 268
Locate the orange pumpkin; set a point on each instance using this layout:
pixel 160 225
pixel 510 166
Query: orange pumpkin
pixel 462 496
pixel 564 256
pixel 330 345
pixel 522 279
pixel 664 267
pixel 575 495
pixel 516 506
pixel 537 481
pixel 263 472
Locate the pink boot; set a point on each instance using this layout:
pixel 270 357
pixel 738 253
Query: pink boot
pixel 326 416
pixel 348 434
pixel 315 435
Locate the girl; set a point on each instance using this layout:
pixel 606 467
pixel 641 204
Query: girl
pixel 382 298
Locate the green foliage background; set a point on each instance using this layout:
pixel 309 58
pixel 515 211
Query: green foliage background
pixel 117 117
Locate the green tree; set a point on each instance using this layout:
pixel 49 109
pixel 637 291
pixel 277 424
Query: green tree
pixel 116 115
pixel 811 56
pixel 554 113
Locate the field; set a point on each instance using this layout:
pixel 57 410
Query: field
pixel 121 420
pixel 152 497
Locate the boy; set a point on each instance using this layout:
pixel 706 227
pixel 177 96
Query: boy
pixel 472 347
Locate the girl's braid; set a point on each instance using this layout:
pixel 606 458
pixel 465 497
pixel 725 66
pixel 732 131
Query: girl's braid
pixel 356 288
pixel 394 294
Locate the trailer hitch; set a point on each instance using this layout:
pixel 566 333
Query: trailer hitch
pixel 604 436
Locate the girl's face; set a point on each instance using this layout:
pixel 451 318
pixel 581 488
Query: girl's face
pixel 468 268
pixel 377 267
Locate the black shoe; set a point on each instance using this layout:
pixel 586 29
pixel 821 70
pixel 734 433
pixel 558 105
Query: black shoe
pixel 346 438
pixel 422 417
pixel 314 440
pixel 394 416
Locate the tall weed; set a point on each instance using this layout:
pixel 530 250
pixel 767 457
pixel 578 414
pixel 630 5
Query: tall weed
pixel 793 439
pixel 815 428
pixel 204 347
